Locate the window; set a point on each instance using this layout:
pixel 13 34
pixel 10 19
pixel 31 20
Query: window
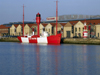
pixel 83 28
pixel 75 29
pixel 35 29
pixel 52 30
pixel 21 29
pixel 79 34
pixel 79 29
pixel 72 29
pixel 9 30
pixel 98 34
pixel 19 33
pixel 15 30
pixel 75 34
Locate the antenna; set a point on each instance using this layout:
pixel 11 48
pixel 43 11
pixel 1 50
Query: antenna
pixel 56 15
pixel 23 19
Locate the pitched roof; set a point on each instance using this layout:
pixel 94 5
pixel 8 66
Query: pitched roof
pixel 68 24
pixel 63 24
pixel 30 25
pixel 3 27
pixel 73 22
pixel 88 22
pixel 79 23
pixel 53 24
pixel 16 25
pixel 44 24
pixel 92 22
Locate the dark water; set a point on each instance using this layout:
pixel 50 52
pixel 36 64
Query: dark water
pixel 64 59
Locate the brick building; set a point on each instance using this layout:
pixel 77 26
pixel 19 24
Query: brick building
pixel 4 30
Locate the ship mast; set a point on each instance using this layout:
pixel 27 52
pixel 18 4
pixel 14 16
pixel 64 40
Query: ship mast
pixel 56 15
pixel 23 19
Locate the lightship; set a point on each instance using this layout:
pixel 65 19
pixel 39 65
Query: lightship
pixel 44 38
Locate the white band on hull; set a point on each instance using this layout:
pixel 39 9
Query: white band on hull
pixel 54 39
pixel 39 40
pixel 25 40
pixel 42 40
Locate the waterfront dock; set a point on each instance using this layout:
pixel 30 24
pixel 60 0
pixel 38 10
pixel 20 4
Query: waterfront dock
pixel 7 39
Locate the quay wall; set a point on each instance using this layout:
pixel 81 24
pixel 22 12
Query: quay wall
pixel 81 41
pixel 7 39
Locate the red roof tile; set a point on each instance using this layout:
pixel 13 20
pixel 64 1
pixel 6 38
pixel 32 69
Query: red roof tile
pixel 88 22
pixel 44 24
pixel 3 27
pixel 53 24
pixel 63 24
pixel 30 25
pixel 73 22
pixel 16 25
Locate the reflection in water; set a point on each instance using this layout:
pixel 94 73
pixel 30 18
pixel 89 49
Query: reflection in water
pixel 56 60
pixel 38 59
pixel 23 60
pixel 84 59
pixel 33 59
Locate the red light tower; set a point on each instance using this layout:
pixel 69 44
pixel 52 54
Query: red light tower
pixel 38 19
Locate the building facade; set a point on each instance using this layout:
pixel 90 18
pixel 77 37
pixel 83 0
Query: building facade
pixel 4 30
pixel 13 30
pixel 68 29
pixel 19 30
pixel 97 31
pixel 78 29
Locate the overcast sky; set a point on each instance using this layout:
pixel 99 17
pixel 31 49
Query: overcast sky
pixel 12 10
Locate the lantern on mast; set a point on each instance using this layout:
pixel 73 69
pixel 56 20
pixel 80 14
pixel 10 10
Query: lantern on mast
pixel 38 20
pixel 85 33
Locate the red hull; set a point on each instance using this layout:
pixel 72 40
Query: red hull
pixel 53 39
